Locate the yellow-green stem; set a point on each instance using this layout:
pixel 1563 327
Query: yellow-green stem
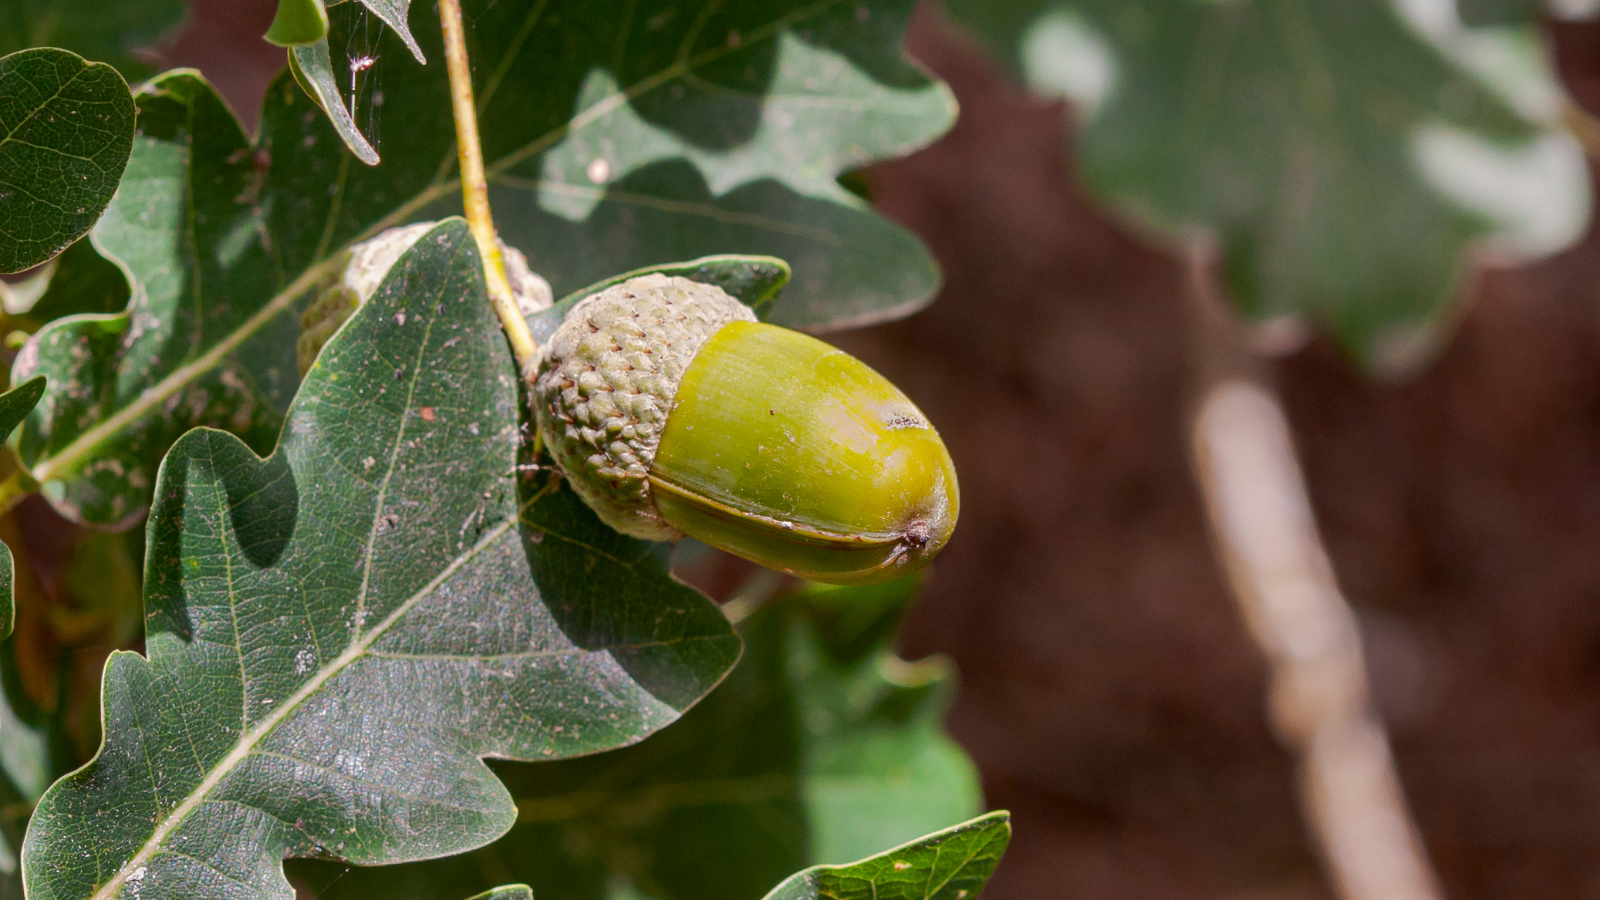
pixel 15 489
pixel 475 189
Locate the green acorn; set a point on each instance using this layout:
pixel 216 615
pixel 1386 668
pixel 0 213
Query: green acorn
pixel 362 268
pixel 672 411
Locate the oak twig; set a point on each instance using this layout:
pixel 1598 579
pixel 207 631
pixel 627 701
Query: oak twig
pixel 475 189
pixel 1266 537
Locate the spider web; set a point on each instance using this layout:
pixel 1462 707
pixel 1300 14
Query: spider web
pixel 361 77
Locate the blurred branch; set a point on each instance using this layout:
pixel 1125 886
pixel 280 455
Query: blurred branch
pixel 1266 538
pixel 1583 125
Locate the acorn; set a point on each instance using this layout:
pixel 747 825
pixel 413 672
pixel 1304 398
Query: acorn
pixel 361 269
pixel 673 412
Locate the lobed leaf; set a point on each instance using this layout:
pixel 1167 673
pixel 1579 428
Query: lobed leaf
pixel 119 32
pixel 339 633
pixel 66 126
pixel 1344 157
pixel 619 135
pixel 820 747
pixel 953 864
pixel 732 92
pixel 187 233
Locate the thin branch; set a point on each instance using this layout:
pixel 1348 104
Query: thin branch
pixel 1583 126
pixel 1266 538
pixel 475 189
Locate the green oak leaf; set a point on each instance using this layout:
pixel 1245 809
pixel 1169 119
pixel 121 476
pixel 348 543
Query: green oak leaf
pixel 745 116
pixel 953 864
pixel 185 233
pixel 1345 158
pixel 394 13
pixel 267 221
pixel 339 633
pixel 820 747
pixel 312 66
pixel 119 32
pixel 709 127
pixel 66 128
pixel 755 281
pixel 297 22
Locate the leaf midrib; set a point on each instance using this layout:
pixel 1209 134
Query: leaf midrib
pixel 247 742
pixel 34 114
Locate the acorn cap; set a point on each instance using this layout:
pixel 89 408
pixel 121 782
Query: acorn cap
pixel 609 381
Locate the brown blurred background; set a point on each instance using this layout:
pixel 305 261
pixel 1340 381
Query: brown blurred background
pixel 1110 695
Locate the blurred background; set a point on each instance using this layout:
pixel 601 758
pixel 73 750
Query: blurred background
pixel 1110 693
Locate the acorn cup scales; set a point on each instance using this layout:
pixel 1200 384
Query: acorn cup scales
pixel 672 411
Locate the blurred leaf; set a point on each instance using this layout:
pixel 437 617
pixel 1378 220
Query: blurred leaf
pixel 338 633
pixel 297 22
pixel 79 281
pixel 16 741
pixel 24 751
pixel 751 110
pixel 25 759
pixel 506 892
pixel 66 126
pixel 799 757
pixel 103 579
pixel 14 405
pixel 78 598
pixel 954 864
pixel 1344 157
pixel 112 31
pixel 1499 12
